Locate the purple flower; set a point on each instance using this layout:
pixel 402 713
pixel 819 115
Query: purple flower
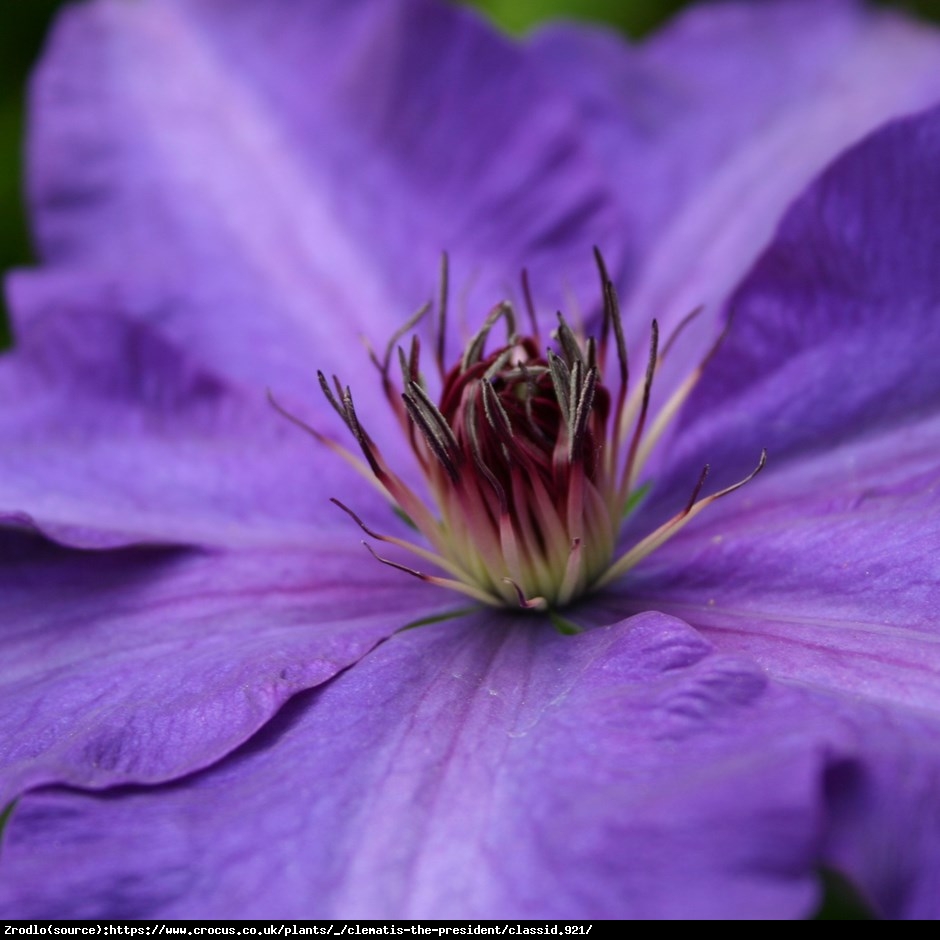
pixel 209 705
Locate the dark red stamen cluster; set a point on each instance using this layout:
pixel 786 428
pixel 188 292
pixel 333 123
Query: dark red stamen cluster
pixel 530 460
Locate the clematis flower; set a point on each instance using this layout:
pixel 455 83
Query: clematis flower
pixel 210 705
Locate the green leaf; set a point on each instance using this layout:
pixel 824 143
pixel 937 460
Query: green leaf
pixel 636 497
pixel 438 618
pixel 5 818
pixel 563 625
pixel 404 517
pixel 841 900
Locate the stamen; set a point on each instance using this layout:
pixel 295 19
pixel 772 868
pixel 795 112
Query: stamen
pixel 406 327
pixel 453 585
pixel 432 429
pixel 439 421
pixel 649 544
pixel 680 328
pixel 572 572
pixel 432 557
pixel 582 413
pixel 328 394
pixel 499 364
pixel 442 296
pixel 703 476
pixel 671 408
pixel 490 478
pixel 530 603
pixel 414 359
pixel 561 379
pixel 530 457
pixel 574 387
pixel 495 413
pixel 529 306
pixel 475 350
pixel 591 353
pixel 359 434
pixel 629 467
pixel 568 343
pixel 612 318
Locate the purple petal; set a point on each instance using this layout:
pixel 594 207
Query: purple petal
pixel 480 769
pixel 111 435
pixel 884 827
pixel 143 666
pixel 835 332
pixel 825 571
pixel 268 182
pixel 715 124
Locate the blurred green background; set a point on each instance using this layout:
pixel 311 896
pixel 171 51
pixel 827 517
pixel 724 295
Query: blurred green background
pixel 23 24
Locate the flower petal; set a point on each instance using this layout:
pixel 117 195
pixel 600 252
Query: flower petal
pixel 145 665
pixel 481 769
pixel 110 435
pixel 716 123
pixel 882 810
pixel 824 571
pixel 267 182
pixel 835 332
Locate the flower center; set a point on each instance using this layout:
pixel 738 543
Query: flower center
pixel 514 461
pixel 531 459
